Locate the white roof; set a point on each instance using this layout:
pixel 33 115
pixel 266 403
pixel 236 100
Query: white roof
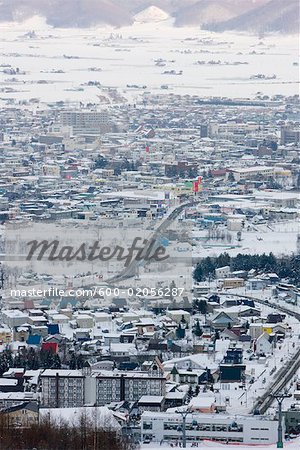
pixel 202 402
pixel 61 373
pixel 151 399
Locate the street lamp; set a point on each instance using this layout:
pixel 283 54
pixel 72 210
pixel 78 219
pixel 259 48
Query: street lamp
pixel 184 414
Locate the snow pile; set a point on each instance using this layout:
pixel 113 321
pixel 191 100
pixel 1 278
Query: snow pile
pixel 151 14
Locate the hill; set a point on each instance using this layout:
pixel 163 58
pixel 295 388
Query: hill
pixel 215 15
pixel 274 16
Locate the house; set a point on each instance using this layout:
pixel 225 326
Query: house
pixel 222 320
pixel 184 376
pixel 50 346
pixel 222 272
pixel 145 326
pixel 232 369
pixel 34 339
pixel 229 335
pixel 202 404
pixel 5 335
pixel 231 283
pixel 82 334
pixel 177 315
pixel 264 344
pixel 255 330
pixel 242 311
pixel 102 318
pixel 175 398
pixel 21 333
pixel 84 321
pixel 275 318
pixel 23 415
pixel 151 403
pixel 122 349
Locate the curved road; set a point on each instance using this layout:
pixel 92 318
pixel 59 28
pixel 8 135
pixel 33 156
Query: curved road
pixel 130 271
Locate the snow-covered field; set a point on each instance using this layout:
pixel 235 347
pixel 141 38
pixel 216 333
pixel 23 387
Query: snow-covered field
pixel 292 445
pixel 63 58
pixel 279 238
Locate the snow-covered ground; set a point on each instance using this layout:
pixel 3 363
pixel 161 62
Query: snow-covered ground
pixel 292 445
pixel 279 238
pixel 100 416
pixel 63 58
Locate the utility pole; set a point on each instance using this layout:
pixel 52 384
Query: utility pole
pixel 1 276
pixel 184 415
pixel 280 398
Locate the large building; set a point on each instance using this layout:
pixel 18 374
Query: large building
pixel 157 426
pixel 289 135
pixel 85 122
pixel 62 388
pixel 73 388
pixel 252 172
pixel 130 386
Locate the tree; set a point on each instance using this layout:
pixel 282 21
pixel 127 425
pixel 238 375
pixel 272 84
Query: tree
pixel 180 332
pixel 190 392
pixel 49 360
pixel 231 177
pixel 203 306
pixel 5 361
pixel 217 335
pixel 197 329
pixel 198 273
pixel 100 162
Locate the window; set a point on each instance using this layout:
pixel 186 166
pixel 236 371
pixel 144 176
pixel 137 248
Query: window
pixel 147 425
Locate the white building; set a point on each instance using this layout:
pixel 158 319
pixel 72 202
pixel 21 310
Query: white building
pixel 222 272
pixel 178 314
pixel 14 318
pixel 252 172
pixel 156 426
pixel 85 122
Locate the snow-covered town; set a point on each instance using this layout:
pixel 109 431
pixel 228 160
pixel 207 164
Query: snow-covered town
pixel 149 225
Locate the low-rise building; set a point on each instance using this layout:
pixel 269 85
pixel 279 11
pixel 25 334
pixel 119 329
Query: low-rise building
pixel 156 427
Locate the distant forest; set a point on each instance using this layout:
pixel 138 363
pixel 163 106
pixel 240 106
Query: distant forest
pixel 286 267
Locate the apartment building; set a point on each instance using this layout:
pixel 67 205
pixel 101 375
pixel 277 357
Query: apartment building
pixel 75 388
pixel 62 388
pixel 116 386
pixel 85 122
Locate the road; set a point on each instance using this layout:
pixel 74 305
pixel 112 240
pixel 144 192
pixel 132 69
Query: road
pixel 130 271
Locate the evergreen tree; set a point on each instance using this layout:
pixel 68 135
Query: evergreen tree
pixel 190 392
pixel 180 332
pixel 197 329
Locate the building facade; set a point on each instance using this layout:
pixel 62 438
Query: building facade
pixel 62 388
pixel 157 426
